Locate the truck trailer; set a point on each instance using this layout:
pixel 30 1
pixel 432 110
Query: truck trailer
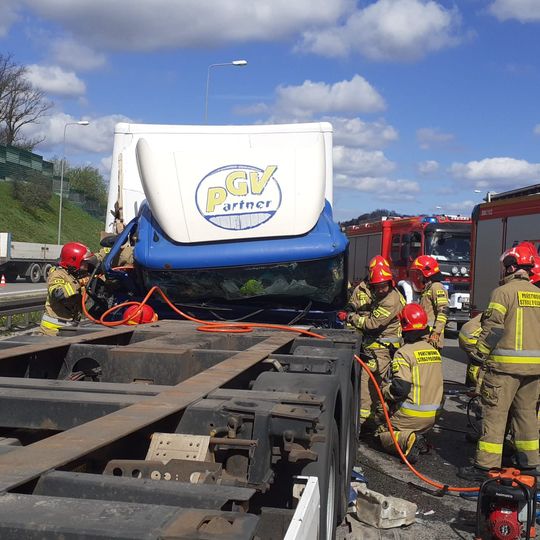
pixel 30 260
pixel 401 239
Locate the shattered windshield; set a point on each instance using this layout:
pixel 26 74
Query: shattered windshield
pixel 319 281
pixel 449 246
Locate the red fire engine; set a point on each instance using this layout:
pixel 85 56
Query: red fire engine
pixel 502 222
pixel 401 240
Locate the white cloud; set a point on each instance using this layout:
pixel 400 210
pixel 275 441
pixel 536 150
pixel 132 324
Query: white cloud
pixel 498 172
pixel 522 10
pixel 357 162
pixel 8 17
pixel 428 137
pixel 401 30
pixel 54 80
pixel 69 53
pixel 381 187
pixel 97 137
pixel 536 129
pixel 428 167
pixel 312 98
pixel 357 133
pixel 147 25
pixel 462 207
pixel 104 166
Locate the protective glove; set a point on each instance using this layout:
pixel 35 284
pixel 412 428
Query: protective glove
pixel 350 317
pixel 477 358
pixel 473 371
pixel 434 339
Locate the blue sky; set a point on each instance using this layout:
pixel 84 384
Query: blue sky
pixel 429 100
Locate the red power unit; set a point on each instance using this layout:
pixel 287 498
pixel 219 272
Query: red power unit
pixel 506 506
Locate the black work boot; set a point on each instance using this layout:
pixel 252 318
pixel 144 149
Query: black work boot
pixel 473 473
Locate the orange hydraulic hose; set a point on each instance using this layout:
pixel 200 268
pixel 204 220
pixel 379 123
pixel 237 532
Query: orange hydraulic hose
pixel 396 444
pixel 207 326
pixel 211 326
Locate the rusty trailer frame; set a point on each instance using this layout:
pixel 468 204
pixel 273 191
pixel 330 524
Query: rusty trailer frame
pixel 77 413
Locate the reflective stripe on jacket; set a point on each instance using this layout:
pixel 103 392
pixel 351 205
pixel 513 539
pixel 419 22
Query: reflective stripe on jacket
pixel 469 333
pixel 69 307
pixel 434 300
pixel 420 365
pixel 382 324
pixel 510 334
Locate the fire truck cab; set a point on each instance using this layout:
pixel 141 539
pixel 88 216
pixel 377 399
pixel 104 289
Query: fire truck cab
pixel 402 239
pixel 503 221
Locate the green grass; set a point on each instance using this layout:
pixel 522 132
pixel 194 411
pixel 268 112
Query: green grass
pixel 41 225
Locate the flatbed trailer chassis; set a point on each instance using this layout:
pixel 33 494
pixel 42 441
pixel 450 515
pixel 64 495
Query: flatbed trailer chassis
pixel 162 431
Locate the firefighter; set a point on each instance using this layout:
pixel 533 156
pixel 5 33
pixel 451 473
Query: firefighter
pixel 415 389
pixel 361 297
pixel 509 349
pixel 381 334
pixel 63 307
pixel 467 338
pixel 426 278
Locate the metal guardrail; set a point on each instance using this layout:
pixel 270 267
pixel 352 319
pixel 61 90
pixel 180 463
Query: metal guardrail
pixel 24 302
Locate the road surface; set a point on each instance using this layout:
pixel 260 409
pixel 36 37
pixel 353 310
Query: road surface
pixel 21 286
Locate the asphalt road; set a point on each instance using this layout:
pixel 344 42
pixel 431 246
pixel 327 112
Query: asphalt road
pixel 21 286
pixel 448 517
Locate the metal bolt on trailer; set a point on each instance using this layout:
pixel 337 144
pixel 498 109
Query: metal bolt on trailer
pixel 161 431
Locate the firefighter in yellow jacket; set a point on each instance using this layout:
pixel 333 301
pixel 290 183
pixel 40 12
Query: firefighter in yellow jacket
pixel 361 298
pixel 509 350
pixel 426 278
pixel 381 333
pixel 63 307
pixel 415 389
pixel 467 339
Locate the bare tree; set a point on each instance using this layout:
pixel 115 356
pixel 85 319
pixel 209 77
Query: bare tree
pixel 20 104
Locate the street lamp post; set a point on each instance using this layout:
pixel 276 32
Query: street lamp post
pixel 488 196
pixel 79 123
pixel 237 63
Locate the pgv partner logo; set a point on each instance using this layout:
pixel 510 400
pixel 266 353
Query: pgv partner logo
pixel 239 197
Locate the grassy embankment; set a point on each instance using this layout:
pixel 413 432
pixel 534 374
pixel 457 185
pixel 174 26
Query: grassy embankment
pixel 41 225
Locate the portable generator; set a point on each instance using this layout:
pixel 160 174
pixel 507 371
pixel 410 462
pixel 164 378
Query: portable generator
pixel 506 506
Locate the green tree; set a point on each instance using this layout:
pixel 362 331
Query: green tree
pixel 89 181
pixel 380 212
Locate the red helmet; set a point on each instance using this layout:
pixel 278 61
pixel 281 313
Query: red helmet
pixel 137 314
pixel 73 254
pixel 379 274
pixel 426 265
pixel 535 272
pixel 378 260
pixel 520 255
pixel 413 317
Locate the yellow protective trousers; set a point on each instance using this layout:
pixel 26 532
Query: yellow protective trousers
pixel 379 366
pixel 504 394
pixel 404 425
